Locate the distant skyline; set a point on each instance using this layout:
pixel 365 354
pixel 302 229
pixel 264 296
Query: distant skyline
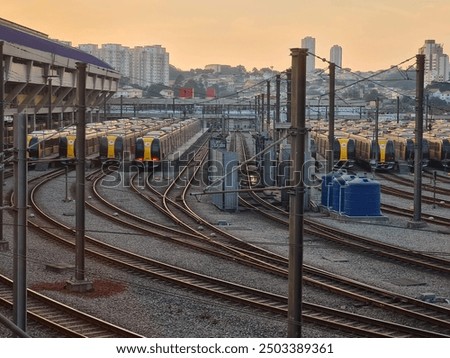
pixel 252 33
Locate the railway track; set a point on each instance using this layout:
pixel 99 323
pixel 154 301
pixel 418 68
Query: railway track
pixel 416 333
pixel 410 183
pixel 66 321
pixel 260 300
pixel 407 212
pixel 351 289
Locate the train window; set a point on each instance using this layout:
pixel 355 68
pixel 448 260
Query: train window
pixel 374 151
pixel 139 149
pixel 336 150
pixel 351 149
pixel 103 147
pixel 63 147
pixel 156 149
pixel 33 148
pixel 118 147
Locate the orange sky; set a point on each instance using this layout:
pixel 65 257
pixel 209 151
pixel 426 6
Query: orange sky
pixel 253 33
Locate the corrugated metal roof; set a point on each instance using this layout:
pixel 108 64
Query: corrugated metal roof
pixel 22 38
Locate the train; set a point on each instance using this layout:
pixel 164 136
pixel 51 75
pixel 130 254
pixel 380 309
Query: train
pixel 42 144
pixel 67 144
pixel 356 143
pixel 374 153
pixel 404 143
pixel 344 148
pixel 109 141
pixel 155 146
pixel 439 150
pixel 357 148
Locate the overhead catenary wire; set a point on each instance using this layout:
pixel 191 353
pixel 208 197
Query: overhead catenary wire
pixel 367 78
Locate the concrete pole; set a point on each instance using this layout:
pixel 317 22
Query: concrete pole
pixel 288 94
pixel 262 112
pixel 277 99
pixel 330 153
pixel 50 90
pixel 2 135
pixel 377 147
pixel 20 222
pixel 296 212
pixel 268 109
pixel 417 219
pixel 80 171
pixel 276 131
pixel 79 284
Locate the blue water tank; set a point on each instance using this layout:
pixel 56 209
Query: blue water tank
pixel 327 188
pixel 339 191
pixel 362 198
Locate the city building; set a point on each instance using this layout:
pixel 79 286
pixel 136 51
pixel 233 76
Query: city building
pixel 310 43
pixel 214 67
pixel 436 62
pixel 143 65
pixel 150 65
pixel 336 55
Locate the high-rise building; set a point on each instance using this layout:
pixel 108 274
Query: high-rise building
pixel 336 55
pixel 151 65
pixel 143 65
pixel 436 62
pixel 91 49
pixel 310 43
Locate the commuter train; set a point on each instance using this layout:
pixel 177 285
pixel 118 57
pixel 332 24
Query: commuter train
pixel 115 146
pixel 439 150
pixel 378 155
pixel 344 149
pixel 42 144
pixel 60 146
pixel 404 148
pixel 155 146
pixel 68 143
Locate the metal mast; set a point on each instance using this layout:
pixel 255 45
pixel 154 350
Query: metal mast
pixel 296 212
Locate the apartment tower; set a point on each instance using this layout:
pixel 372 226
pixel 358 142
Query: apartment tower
pixel 310 43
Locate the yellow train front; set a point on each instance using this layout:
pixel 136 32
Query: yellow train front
pixel 148 150
pixel 67 145
pixel 344 152
pixel 116 147
pixel 343 148
pixel 376 155
pixel 42 144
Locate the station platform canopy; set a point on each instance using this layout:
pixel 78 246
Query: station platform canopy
pixel 41 73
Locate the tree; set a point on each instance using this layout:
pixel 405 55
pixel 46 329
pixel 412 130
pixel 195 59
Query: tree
pixel 372 95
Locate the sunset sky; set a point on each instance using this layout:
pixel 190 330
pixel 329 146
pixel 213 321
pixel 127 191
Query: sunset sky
pixel 253 33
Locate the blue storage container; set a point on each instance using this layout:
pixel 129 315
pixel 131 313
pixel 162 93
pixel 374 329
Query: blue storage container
pixel 362 198
pixel 327 188
pixel 339 188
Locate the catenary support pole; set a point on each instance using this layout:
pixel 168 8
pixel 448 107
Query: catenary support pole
pixel 377 146
pixel 262 111
pixel 79 284
pixel 330 153
pixel 80 172
pixel 288 94
pixel 418 156
pixel 20 222
pixel 2 135
pixel 276 131
pixel 268 109
pixel 296 213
